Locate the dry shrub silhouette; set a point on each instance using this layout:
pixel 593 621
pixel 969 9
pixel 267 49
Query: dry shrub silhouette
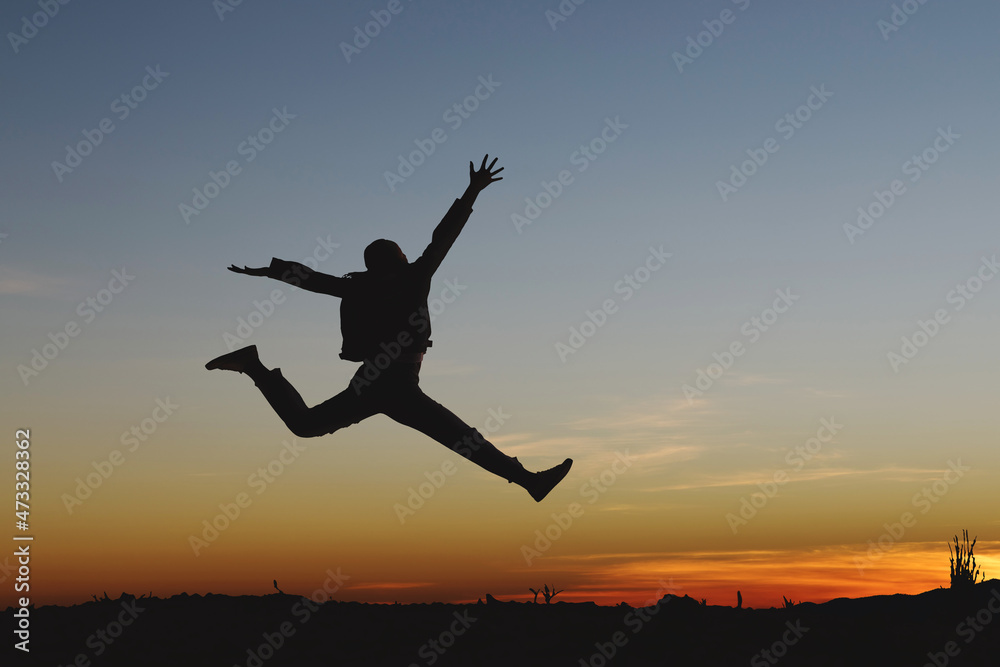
pixel 963 563
pixel 548 594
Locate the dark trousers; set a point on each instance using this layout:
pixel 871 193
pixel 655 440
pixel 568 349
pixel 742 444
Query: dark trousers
pixel 395 392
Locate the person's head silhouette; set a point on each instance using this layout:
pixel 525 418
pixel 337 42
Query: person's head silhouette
pixel 384 256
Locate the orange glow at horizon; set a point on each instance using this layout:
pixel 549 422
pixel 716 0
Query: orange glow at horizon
pixel 763 577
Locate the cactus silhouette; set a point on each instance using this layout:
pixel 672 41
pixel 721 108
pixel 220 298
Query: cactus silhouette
pixel 963 563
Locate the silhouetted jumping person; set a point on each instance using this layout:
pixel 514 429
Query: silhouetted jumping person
pixel 386 325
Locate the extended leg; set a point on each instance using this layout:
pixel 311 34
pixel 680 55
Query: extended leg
pixel 417 410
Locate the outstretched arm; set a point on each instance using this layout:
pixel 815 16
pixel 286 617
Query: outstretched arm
pixel 298 275
pixel 454 220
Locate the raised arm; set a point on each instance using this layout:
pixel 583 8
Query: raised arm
pixel 454 220
pixel 298 275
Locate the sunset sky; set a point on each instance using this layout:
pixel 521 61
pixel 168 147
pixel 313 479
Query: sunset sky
pixel 739 268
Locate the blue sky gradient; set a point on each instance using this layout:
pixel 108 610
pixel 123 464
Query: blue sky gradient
pixel 322 183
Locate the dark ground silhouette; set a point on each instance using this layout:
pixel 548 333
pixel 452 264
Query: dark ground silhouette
pixel 278 629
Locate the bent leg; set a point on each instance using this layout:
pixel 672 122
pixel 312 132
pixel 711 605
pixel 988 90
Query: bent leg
pixel 331 415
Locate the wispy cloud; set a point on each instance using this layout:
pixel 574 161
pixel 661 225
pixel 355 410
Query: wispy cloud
pixel 658 414
pixel 750 380
pixel 391 585
pixel 16 281
pixel 752 478
pixel 657 431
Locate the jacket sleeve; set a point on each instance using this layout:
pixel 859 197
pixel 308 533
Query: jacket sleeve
pixel 444 236
pixel 302 276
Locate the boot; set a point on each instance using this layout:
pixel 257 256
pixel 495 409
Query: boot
pixel 542 482
pixel 243 360
pixel 488 457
